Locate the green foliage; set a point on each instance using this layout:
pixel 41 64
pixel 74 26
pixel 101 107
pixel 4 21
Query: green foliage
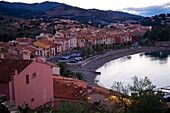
pixel 83 53
pixel 25 109
pixel 157 20
pixel 80 107
pixel 67 72
pixel 86 52
pixel 11 29
pixel 54 31
pixel 101 48
pixel 149 22
pixel 6 37
pixel 144 98
pixel 141 85
pixel 63 67
pixel 118 86
pixel 79 75
pixel 158 33
pixel 149 102
pixel 70 107
pixel 160 28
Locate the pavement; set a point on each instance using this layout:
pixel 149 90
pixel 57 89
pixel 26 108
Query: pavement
pixel 92 65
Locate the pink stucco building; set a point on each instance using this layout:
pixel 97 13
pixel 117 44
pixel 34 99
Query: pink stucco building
pixel 26 81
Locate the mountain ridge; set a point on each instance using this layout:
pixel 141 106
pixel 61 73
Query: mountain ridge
pixel 34 6
pixel 60 10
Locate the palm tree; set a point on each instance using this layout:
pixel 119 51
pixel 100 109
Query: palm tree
pixel 68 73
pixel 79 75
pixel 63 67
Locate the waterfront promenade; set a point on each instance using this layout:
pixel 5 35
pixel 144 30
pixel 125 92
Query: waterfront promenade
pixel 89 66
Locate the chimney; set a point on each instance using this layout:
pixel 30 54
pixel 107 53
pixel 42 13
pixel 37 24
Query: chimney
pixel 16 72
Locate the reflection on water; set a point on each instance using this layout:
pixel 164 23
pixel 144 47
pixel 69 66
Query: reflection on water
pixel 125 58
pixel 163 55
pixel 155 65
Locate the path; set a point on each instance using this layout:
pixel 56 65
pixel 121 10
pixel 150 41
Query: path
pixel 89 68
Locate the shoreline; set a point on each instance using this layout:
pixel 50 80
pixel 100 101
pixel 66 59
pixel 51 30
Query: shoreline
pixel 92 65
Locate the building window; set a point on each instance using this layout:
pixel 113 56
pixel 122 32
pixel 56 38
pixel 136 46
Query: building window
pixel 27 79
pixel 32 100
pixel 34 75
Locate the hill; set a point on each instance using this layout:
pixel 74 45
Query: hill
pixel 157 20
pixel 90 15
pixel 59 10
pixel 126 14
pixel 23 13
pixel 44 6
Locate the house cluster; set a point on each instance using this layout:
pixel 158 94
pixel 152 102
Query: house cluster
pixel 36 83
pixel 163 18
pixel 48 45
pixel 26 76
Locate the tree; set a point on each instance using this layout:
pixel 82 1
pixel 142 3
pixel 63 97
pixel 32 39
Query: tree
pixel 64 70
pixel 84 53
pixel 63 67
pixel 79 75
pixel 158 33
pixel 88 52
pixel 144 98
pixel 67 72
pixel 54 31
pixel 70 107
pixel 78 107
pixel 97 48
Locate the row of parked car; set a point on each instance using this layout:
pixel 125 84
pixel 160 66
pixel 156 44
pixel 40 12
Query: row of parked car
pixel 67 57
pixel 73 58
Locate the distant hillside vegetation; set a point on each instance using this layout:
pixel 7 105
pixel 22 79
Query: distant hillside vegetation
pixel 157 20
pixel 90 15
pixel 160 28
pixel 44 6
pixel 127 15
pixel 60 10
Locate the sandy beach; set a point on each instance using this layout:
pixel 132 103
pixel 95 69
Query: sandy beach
pixel 94 63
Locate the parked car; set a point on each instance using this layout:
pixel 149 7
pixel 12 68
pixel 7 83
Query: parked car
pixel 65 57
pixel 72 61
pixel 79 59
pixel 73 55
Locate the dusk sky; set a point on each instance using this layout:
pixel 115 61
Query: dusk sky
pixel 132 6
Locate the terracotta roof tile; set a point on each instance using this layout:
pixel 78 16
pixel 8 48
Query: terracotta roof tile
pixel 8 67
pixel 20 47
pixel 52 64
pixel 11 56
pixel 31 48
pixel 23 39
pixel 68 88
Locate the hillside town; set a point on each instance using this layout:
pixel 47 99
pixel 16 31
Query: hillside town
pixel 84 56
pixel 69 37
pixel 25 66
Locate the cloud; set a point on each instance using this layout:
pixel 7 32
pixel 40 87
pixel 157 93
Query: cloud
pixel 149 11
